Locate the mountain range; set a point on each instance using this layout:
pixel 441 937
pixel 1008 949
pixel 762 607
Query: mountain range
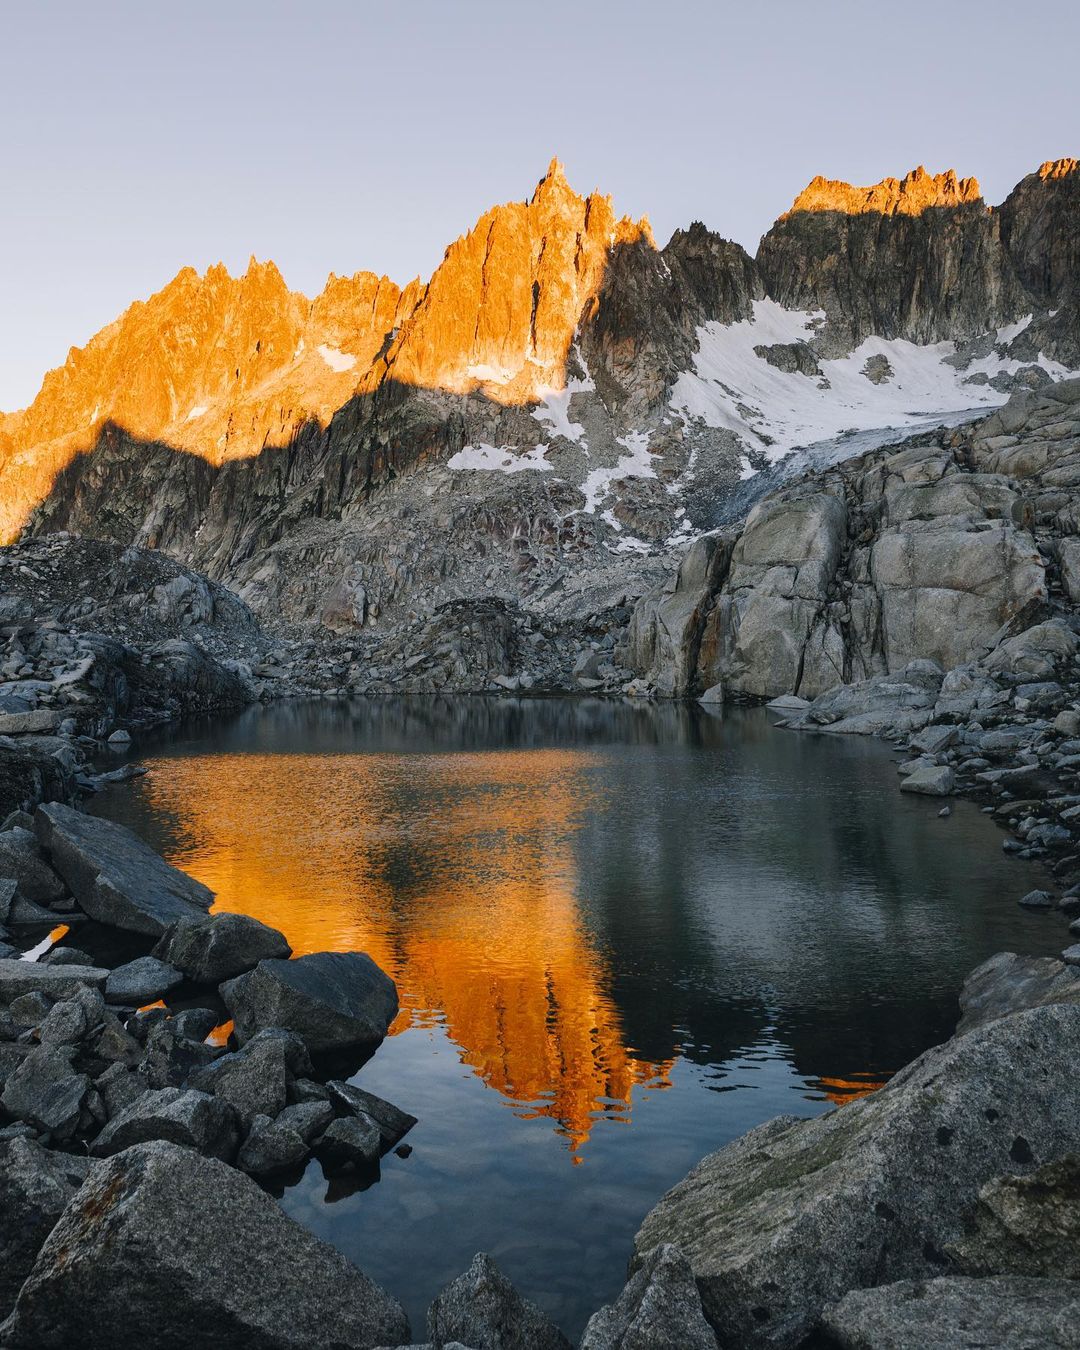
pixel 561 399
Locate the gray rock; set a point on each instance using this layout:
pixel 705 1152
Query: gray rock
pixel 953 1312
pixel 936 780
pixel 171 1059
pixel 1037 900
pixel 220 946
pixel 1025 1225
pixel 22 859
pixel 394 1124
pixel 72 1019
pixel 24 977
pixel 351 1141
pixel 118 1087
pixel 30 1010
pixel 141 981
pixel 660 1309
pixel 331 1000
pixel 195 1023
pixel 1071 955
pixel 787 1219
pixel 271 1146
pixel 145 1255
pixel 115 877
pixel 181 1116
pixel 33 1193
pixel 46 1092
pixel 307 1119
pixel 1008 983
pixel 483 1309
pixel 66 956
pixel 253 1080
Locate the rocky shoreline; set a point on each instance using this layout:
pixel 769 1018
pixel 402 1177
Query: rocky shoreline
pixel 139 1131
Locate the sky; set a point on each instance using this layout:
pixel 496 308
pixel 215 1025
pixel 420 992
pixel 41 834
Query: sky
pixel 331 135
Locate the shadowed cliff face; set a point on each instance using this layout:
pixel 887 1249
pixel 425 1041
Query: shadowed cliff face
pixel 920 259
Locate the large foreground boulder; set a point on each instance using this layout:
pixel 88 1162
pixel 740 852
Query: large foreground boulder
pixel 793 1215
pixel 220 946
pixel 116 878
pixel 482 1309
pixel 952 1313
pixel 163 1248
pixel 331 1000
pixel 33 1192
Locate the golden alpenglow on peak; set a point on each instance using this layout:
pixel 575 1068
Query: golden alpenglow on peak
pixel 1058 168
pixel 223 367
pixel 501 310
pixel 911 195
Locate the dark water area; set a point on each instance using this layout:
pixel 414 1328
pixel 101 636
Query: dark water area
pixel 622 935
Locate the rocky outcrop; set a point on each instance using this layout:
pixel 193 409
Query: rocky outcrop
pixel 795 1214
pixel 935 551
pixel 923 258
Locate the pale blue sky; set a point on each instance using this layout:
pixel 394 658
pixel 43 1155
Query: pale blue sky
pixel 140 136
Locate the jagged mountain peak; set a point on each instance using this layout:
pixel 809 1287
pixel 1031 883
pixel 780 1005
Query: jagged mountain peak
pixel 1058 168
pixel 911 195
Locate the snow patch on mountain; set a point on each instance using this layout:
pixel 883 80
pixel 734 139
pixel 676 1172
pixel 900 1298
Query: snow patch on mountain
pixel 775 410
pixel 637 463
pixel 500 458
pixel 338 361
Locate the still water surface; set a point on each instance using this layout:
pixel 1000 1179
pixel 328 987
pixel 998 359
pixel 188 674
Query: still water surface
pixel 622 935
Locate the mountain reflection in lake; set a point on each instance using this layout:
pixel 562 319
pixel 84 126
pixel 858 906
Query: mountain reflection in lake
pixel 611 915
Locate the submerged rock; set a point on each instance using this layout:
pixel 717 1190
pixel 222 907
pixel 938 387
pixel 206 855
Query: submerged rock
pixel 483 1309
pixel 790 1217
pixel 146 1254
pixel 660 1309
pixel 331 1000
pixel 115 877
pixel 1005 1313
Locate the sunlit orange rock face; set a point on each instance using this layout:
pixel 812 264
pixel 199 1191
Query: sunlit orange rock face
pixel 502 308
pixel 222 366
pixel 505 963
pixel 908 196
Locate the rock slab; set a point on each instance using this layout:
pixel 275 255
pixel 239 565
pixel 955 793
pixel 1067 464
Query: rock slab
pixel 116 878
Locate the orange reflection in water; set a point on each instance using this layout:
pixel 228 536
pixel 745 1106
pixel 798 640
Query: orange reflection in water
pixel 455 873
pixel 843 1090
